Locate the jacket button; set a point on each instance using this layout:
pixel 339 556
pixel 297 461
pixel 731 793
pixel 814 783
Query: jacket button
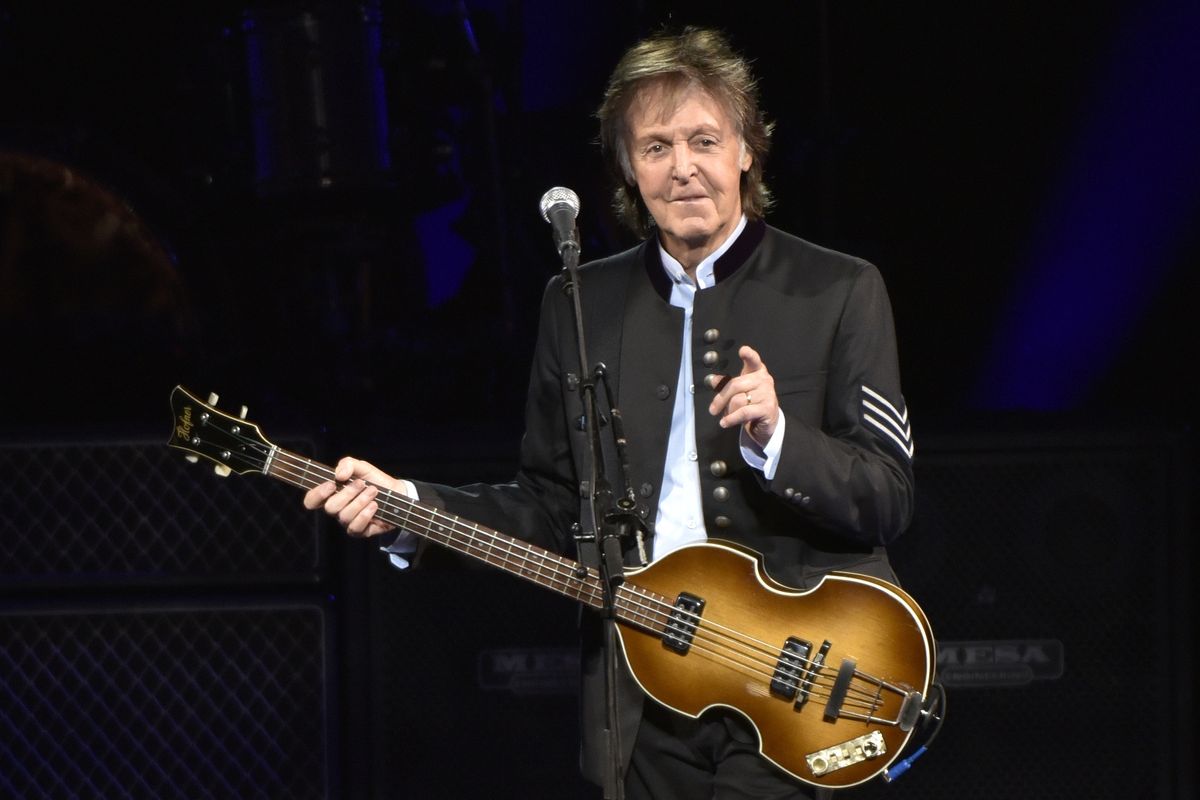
pixel 717 468
pixel 710 380
pixel 721 493
pixel 572 381
pixel 711 335
pixel 662 392
pixel 723 521
pixel 646 490
pixel 789 492
pixel 710 358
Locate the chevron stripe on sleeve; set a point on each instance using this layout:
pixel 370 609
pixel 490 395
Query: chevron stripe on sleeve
pixel 887 420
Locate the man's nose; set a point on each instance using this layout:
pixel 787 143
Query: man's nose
pixel 683 166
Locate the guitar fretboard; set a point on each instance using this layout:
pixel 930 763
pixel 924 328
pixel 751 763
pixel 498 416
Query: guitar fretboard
pixel 635 606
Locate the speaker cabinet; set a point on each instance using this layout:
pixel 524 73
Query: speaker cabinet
pixel 115 514
pixel 188 649
pixel 1054 571
pixel 164 700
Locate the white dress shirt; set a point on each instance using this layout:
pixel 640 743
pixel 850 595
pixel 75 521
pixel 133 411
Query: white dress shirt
pixel 680 517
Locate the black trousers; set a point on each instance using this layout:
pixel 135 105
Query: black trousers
pixel 713 757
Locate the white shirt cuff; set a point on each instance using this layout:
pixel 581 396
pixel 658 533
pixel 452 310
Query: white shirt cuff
pixel 766 458
pixel 401 549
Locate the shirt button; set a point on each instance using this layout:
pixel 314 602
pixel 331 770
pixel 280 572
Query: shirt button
pixel 662 392
pixel 691 523
pixel 718 468
pixel 692 456
pixel 723 521
pixel 692 389
pixel 711 335
pixel 721 494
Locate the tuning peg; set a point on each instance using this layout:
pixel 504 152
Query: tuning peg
pixel 213 398
pixel 244 412
pixel 222 470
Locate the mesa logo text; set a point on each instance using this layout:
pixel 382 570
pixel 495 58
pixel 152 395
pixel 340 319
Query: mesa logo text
pixel 991 663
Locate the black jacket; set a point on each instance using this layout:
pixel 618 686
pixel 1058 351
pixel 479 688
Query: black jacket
pixel 823 325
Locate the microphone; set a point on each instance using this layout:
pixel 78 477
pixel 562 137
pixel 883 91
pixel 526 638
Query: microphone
pixel 560 207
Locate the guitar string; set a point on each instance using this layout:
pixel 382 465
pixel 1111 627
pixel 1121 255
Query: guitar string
pixel 649 617
pixel 651 620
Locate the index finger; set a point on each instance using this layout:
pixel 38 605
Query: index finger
pixel 348 468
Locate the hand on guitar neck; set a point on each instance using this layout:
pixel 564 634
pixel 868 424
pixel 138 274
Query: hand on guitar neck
pixel 351 496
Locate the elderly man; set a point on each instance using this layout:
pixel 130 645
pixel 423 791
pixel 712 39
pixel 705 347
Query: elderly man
pixel 758 381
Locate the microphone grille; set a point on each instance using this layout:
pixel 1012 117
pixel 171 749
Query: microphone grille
pixel 557 195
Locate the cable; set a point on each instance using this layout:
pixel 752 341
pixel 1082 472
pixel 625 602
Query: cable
pixel 938 704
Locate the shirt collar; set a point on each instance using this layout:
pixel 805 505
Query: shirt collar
pixel 704 270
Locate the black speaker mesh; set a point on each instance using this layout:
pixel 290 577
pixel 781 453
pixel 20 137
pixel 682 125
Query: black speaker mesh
pixel 164 703
pixel 108 514
pixel 1064 543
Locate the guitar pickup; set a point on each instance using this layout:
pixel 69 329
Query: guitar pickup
pixel 785 682
pixel 681 627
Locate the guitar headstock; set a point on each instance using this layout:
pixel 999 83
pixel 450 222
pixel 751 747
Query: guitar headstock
pixel 232 443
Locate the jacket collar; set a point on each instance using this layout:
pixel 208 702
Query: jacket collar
pixel 737 254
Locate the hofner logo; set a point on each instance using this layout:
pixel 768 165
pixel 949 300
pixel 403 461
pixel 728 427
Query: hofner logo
pixel 184 429
pixel 1011 662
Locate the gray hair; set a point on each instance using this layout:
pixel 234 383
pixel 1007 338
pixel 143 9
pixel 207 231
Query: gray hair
pixel 676 63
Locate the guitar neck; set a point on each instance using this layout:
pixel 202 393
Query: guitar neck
pixel 515 556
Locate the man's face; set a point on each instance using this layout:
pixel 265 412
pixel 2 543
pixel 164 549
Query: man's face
pixel 687 160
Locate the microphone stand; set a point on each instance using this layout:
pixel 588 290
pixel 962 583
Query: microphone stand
pixel 621 520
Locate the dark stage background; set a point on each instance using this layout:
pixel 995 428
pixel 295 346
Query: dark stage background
pixel 328 211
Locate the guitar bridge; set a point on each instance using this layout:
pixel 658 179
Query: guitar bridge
pixel 810 674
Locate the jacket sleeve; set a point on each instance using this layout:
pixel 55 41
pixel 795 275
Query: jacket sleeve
pixel 853 475
pixel 540 503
